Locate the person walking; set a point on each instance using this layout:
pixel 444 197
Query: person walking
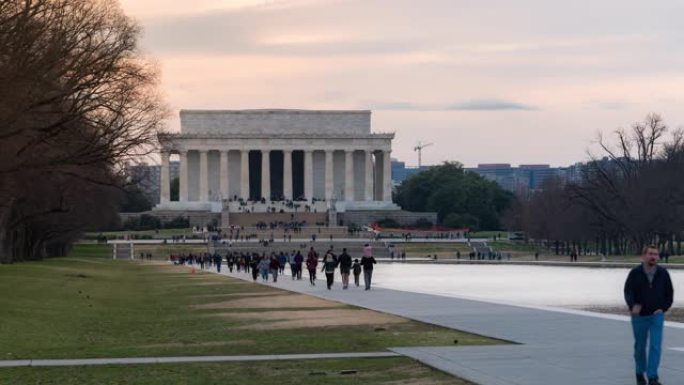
pixel 264 265
pixel 298 260
pixel 329 266
pixel 282 260
pixel 255 268
pixel 217 262
pixel 356 267
pixel 230 261
pixel 367 261
pixel 275 267
pixel 649 295
pixel 248 261
pixel 311 264
pixel 345 262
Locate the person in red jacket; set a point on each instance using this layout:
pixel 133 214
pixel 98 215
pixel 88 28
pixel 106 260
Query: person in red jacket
pixel 311 264
pixel 274 266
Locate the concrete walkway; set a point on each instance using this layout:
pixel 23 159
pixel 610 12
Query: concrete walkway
pixel 187 359
pixel 554 347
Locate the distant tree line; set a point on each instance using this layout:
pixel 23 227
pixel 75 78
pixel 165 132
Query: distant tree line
pixel 77 100
pixel 629 196
pixel 461 199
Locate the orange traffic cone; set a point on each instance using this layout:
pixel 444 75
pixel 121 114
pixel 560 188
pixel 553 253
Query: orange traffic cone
pixel 193 270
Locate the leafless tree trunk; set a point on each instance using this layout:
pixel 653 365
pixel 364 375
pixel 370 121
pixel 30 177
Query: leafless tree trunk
pixel 77 100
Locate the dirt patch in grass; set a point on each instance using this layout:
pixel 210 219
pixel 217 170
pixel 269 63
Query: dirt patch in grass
pixel 313 318
pixel 272 302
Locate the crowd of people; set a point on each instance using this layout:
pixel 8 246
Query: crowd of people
pixel 271 266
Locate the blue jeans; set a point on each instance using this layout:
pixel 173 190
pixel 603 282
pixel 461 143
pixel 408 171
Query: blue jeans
pixel 644 327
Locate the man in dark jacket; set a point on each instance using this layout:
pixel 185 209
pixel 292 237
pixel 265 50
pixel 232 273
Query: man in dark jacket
pixel 367 262
pixel 649 294
pixel 345 261
pixel 298 260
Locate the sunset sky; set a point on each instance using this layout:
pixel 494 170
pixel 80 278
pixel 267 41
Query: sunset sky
pixel 527 81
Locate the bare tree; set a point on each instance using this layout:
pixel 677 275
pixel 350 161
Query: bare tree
pixel 77 100
pixel 632 195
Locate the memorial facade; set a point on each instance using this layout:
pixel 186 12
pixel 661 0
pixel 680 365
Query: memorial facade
pixel 277 155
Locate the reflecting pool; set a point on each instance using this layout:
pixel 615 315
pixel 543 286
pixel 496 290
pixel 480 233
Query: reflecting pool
pixel 526 285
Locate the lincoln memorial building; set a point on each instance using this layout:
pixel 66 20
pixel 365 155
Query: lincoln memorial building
pixel 324 159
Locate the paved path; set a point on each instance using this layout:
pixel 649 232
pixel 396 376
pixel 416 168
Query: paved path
pixel 168 360
pixel 552 347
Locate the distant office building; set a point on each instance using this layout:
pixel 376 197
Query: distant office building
pixel 400 172
pixel 521 179
pixel 572 173
pixel 501 173
pixel 531 176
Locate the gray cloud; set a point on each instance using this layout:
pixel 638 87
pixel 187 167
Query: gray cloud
pixel 490 105
pixel 473 105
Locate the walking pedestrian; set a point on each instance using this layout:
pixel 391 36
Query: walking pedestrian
pixel 275 267
pixel 329 266
pixel 367 261
pixel 282 260
pixel 649 295
pixel 345 262
pixel 311 264
pixel 356 267
pixel 299 259
pixel 217 262
pixel 264 265
pixel 230 262
pixel 255 268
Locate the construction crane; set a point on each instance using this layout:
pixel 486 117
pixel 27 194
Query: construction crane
pixel 419 147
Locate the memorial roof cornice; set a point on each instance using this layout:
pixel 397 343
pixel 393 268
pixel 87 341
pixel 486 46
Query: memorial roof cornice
pixel 279 136
pixel 274 111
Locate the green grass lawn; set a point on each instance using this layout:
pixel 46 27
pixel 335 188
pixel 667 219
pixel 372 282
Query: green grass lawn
pixel 389 371
pixel 506 246
pixel 90 250
pixel 421 249
pixel 489 234
pixel 89 307
pixel 162 252
pixel 159 233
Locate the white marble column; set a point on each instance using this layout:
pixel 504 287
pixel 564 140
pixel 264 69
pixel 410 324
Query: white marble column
pixel 287 174
pixel 386 176
pixel 328 174
pixel 244 174
pixel 183 177
pixel 349 175
pixel 165 188
pixel 204 177
pixel 308 175
pixel 369 176
pixel 266 174
pixel 223 174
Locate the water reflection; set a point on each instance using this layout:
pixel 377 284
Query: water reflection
pixel 528 285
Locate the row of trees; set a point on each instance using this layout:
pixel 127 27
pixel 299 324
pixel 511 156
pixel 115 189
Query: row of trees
pixel 461 199
pixel 630 196
pixel 76 101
